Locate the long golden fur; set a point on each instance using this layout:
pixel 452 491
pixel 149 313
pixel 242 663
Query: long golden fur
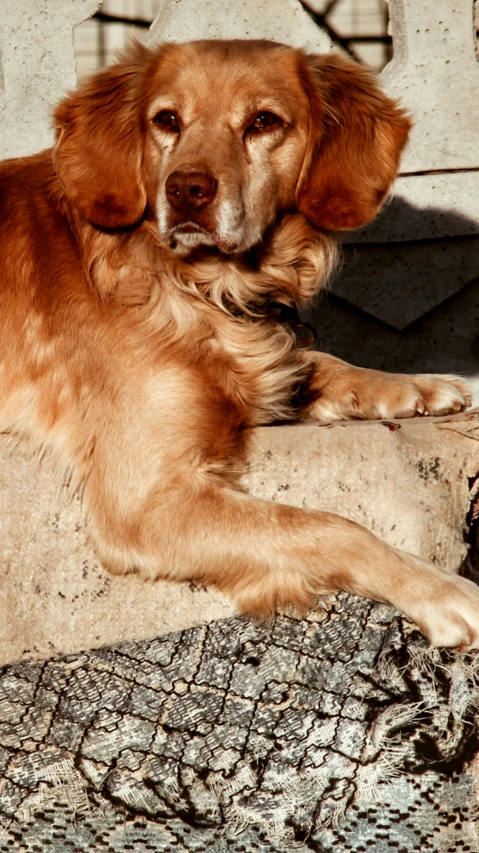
pixel 193 191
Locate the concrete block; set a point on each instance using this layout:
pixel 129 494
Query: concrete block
pixel 426 207
pixel 409 483
pixel 400 282
pixel 277 20
pixel 435 73
pixel 37 67
pixel 55 596
pixel 443 341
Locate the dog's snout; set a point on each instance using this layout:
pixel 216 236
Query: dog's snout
pixel 190 190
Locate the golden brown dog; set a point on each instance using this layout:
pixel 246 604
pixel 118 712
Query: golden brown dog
pixel 191 187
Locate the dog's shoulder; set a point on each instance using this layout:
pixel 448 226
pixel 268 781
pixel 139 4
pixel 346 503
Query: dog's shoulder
pixel 28 191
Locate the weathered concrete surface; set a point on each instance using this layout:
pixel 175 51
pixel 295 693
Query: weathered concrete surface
pixel 423 207
pixel 406 480
pixel 54 595
pixel 278 20
pixel 37 67
pixel 436 74
pixel 408 485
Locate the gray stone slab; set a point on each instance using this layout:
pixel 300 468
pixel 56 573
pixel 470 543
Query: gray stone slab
pixel 445 340
pixel 37 67
pixel 425 207
pixel 435 73
pixel 400 282
pixel 279 20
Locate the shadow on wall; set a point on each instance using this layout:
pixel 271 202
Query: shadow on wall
pixel 400 219
pixel 410 304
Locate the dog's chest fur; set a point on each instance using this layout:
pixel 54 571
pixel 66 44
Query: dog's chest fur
pixel 209 315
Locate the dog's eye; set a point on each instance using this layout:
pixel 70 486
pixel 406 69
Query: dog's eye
pixel 264 121
pixel 167 120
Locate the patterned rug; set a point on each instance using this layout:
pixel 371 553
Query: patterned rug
pixel 340 732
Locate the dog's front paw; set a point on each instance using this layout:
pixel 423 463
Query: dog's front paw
pixel 351 392
pixel 439 395
pixel 449 616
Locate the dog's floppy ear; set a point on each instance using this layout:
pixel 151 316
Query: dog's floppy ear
pixel 355 140
pixel 99 149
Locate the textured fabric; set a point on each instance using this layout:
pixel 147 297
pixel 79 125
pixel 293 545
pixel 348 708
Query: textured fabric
pixel 342 732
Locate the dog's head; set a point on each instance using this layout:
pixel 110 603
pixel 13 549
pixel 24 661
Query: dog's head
pixel 216 139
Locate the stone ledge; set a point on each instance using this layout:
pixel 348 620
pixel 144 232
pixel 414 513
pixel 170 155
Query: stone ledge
pixel 408 481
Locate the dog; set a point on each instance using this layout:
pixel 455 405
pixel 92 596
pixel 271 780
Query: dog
pixel 151 263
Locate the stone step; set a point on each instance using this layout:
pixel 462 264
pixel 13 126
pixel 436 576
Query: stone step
pixel 411 482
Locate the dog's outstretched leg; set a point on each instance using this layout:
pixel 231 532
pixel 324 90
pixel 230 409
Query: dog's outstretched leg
pixel 267 555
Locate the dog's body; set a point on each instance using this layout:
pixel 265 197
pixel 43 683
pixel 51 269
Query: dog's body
pixel 190 188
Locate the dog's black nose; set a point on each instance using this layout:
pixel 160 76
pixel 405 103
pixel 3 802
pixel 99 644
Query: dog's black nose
pixel 190 190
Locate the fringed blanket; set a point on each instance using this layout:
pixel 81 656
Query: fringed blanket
pixel 340 732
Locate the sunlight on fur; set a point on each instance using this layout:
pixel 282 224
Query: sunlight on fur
pixel 149 265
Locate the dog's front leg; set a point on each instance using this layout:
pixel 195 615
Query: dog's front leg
pixel 343 392
pixel 268 556
pixel 160 493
